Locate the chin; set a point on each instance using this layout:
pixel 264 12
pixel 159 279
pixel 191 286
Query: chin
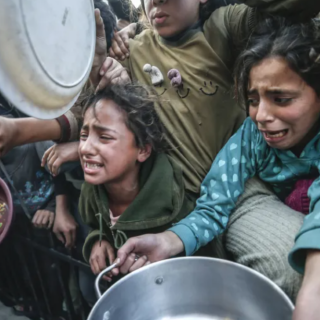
pixel 93 180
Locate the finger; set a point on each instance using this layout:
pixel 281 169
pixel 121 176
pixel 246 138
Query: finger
pixel 94 266
pixel 67 236
pixel 109 279
pixel 124 45
pixel 105 78
pixel 56 166
pixel 128 248
pixel 139 263
pixel 117 51
pixel 45 156
pixel 111 54
pixel 100 32
pixel 101 262
pixel 51 162
pixel 35 217
pixel 106 66
pixel 111 255
pixel 60 237
pixel 44 219
pixel 125 40
pixel 120 45
pixel 124 269
pixel 115 271
pixel 51 220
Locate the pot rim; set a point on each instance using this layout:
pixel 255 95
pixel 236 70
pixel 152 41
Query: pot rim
pixel 175 260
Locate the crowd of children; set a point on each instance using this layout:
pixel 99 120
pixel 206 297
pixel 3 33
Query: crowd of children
pixel 161 158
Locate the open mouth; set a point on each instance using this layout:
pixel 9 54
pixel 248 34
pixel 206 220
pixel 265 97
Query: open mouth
pixel 274 135
pixel 92 165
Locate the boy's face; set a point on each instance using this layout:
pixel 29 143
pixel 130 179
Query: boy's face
pixel 285 109
pixel 108 151
pixel 170 17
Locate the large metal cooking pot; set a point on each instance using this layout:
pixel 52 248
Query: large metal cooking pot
pixel 193 288
pixel 46 53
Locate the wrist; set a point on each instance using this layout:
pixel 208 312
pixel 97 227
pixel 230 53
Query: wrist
pixel 174 243
pixel 311 276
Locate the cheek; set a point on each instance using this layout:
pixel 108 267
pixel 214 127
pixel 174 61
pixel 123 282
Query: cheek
pixel 253 113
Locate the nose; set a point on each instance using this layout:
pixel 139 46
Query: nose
pixel 88 147
pixel 264 112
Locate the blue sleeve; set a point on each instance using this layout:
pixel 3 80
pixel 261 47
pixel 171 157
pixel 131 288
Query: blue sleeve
pixel 308 237
pixel 234 165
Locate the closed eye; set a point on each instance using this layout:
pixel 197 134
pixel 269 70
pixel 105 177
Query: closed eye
pixel 282 100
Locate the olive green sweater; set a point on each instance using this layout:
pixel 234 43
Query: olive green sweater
pixel 201 115
pixel 160 203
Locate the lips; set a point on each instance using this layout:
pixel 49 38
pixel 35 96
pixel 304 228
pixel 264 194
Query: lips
pixel 160 17
pixel 92 165
pixel 273 136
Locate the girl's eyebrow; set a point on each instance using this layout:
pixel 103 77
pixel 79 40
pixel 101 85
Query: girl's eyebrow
pixel 98 128
pixel 273 91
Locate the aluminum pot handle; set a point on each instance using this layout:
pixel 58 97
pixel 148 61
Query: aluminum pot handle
pixel 101 274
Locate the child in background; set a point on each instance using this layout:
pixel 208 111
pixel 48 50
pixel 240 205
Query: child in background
pixel 277 77
pixel 131 187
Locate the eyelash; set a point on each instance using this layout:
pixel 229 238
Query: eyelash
pixel 252 102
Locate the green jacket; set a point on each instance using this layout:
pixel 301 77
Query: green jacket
pixel 160 203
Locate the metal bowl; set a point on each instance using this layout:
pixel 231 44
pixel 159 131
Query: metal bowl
pixel 193 288
pixel 46 53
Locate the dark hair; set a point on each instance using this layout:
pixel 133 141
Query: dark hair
pixel 109 19
pixel 137 103
pixel 298 44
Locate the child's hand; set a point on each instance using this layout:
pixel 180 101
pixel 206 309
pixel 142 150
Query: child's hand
pixel 59 154
pixel 112 72
pixel 65 228
pixel 100 49
pixel 120 42
pixel 43 219
pixel 99 256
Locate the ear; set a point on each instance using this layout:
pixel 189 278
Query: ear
pixel 144 153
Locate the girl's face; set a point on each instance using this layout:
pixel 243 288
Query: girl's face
pixel 170 17
pixel 108 150
pixel 285 109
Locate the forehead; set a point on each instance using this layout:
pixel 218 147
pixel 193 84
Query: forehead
pixel 274 72
pixel 105 111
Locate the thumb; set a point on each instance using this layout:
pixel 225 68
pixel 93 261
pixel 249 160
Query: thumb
pixel 128 248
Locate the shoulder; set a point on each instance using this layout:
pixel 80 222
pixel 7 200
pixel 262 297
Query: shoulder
pixel 87 192
pixel 146 37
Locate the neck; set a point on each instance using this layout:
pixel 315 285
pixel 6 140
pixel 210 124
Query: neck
pixel 122 193
pixel 178 36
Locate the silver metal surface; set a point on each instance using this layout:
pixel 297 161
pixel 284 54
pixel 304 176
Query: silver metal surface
pixel 47 50
pixel 193 288
pixel 101 274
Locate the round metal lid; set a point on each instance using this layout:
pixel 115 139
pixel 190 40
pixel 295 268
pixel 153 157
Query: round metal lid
pixel 46 53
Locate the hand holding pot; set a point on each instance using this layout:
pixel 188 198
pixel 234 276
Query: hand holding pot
pixel 99 255
pixel 150 248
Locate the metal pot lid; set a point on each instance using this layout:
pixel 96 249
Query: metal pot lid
pixel 46 53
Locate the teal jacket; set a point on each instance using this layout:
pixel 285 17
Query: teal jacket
pixel 245 155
